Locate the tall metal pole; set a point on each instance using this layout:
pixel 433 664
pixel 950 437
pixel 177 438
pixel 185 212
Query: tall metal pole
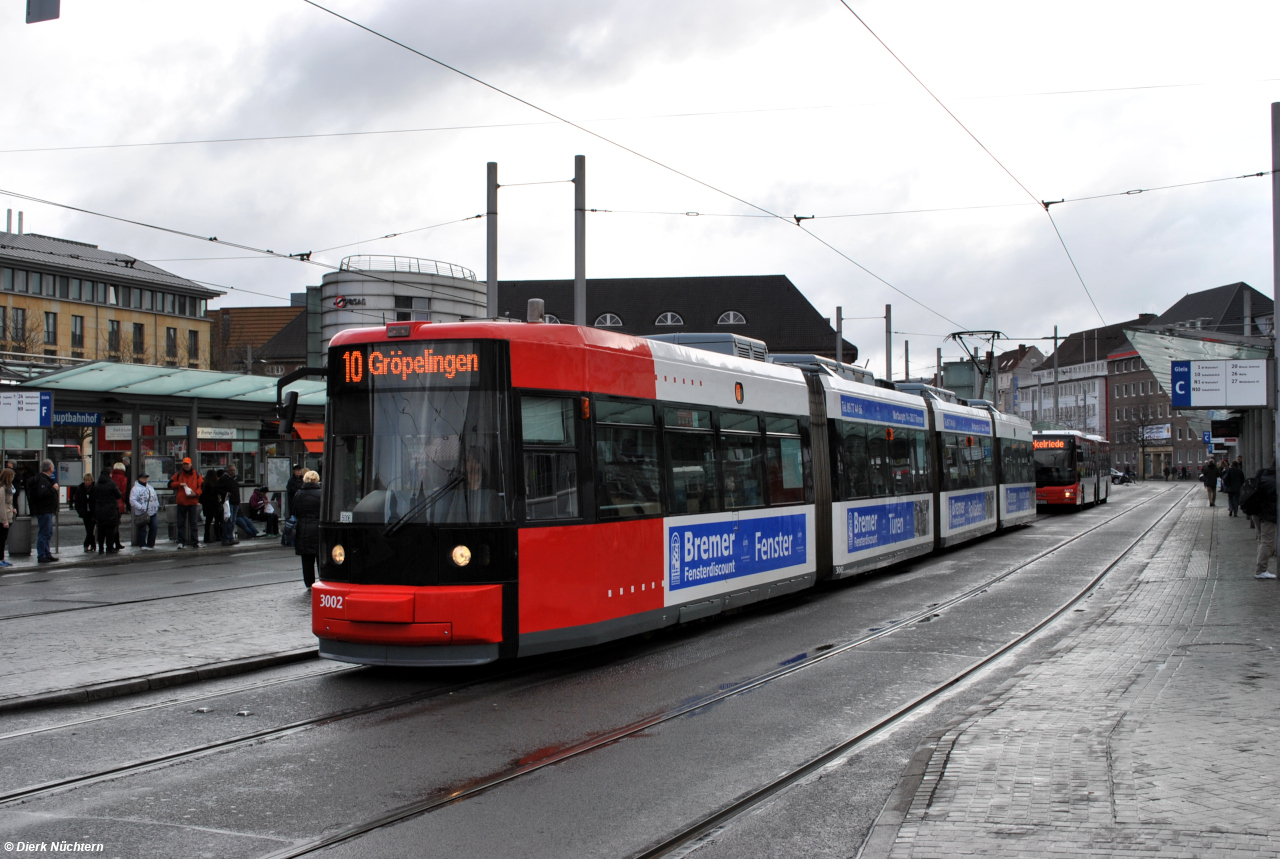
pixel 906 360
pixel 888 342
pixel 839 335
pixel 579 240
pixel 1275 266
pixel 937 373
pixel 1055 374
pixel 491 255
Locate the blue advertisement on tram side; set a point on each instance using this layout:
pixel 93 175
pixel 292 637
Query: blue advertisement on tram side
pixel 860 408
pixel 878 525
pixel 1019 499
pixel 971 508
pixel 965 424
pixel 714 551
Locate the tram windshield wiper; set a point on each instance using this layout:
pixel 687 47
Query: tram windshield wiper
pixel 424 504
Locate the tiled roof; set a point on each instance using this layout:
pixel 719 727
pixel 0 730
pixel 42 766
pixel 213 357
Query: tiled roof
pixel 236 327
pixel 1220 309
pixel 1093 344
pixel 775 311
pixel 1011 360
pixel 77 258
pixel 289 343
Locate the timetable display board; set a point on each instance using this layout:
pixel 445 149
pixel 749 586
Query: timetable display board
pixel 26 409
pixel 1234 383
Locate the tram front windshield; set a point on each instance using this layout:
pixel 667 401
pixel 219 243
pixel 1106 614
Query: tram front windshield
pixel 417 434
pixel 1055 461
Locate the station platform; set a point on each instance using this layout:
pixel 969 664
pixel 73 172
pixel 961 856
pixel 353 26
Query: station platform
pixel 1149 731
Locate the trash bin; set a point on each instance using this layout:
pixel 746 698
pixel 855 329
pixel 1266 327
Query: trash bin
pixel 20 537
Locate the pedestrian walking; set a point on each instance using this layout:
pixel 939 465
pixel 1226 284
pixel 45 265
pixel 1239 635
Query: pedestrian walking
pixel 1184 473
pixel 1262 505
pixel 42 499
pixel 145 504
pixel 306 507
pixel 229 486
pixel 121 479
pixel 105 496
pixel 262 510
pixel 78 500
pixel 6 511
pixel 211 504
pixel 1232 483
pixel 186 485
pixel 1167 472
pixel 1209 477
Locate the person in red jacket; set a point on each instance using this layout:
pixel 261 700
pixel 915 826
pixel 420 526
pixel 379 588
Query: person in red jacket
pixel 186 485
pixel 121 480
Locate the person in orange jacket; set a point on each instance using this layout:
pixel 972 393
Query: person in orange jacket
pixel 186 485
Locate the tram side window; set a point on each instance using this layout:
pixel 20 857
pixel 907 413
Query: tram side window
pixel 901 468
pixel 627 460
pixel 923 461
pixel 784 459
pixel 550 458
pixel 851 460
pixel 968 461
pixel 691 462
pixel 741 460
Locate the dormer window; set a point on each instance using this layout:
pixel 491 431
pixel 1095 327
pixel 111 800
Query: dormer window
pixel 608 320
pixel 731 317
pixel 669 318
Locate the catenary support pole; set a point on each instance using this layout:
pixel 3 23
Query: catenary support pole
pixel 579 240
pixel 906 360
pixel 1275 267
pixel 888 342
pixel 491 247
pixel 937 370
pixel 839 335
pixel 1055 374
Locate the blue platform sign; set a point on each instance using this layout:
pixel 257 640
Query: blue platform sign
pixel 1180 383
pixel 862 409
pixel 714 551
pixel 965 424
pixel 1207 437
pixel 77 419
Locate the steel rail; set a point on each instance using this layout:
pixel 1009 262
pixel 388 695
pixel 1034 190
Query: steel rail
pixel 426 806
pixel 717 819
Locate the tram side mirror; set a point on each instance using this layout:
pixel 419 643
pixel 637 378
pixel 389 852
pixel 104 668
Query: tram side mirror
pixel 288 411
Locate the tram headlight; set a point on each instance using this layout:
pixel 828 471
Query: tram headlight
pixel 461 555
pixel 338 554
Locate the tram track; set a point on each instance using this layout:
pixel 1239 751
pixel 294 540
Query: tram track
pixel 604 740
pixel 719 818
pixel 292 579
pixel 414 809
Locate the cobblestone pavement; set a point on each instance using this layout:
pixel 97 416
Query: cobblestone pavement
pixel 72 649
pixel 1151 731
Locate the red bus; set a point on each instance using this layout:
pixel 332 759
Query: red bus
pixel 1073 469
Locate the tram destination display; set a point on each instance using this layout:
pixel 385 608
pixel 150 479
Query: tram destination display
pixel 1233 383
pixel 410 364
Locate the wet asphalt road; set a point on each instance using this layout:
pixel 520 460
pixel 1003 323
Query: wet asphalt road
pixel 256 798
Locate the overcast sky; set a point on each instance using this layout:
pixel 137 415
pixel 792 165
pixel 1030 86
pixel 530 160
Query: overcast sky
pixel 791 106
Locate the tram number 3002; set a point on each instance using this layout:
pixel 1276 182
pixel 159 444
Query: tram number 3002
pixel 330 601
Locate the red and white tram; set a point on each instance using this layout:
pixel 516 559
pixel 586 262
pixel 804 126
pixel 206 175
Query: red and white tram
pixel 495 490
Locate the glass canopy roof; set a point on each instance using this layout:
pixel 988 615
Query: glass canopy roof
pixel 144 380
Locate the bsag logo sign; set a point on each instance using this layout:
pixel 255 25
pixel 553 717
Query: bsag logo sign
pixel 342 301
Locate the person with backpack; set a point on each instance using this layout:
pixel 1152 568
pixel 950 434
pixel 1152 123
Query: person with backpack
pixel 42 499
pixel 1232 483
pixel 1209 477
pixel 1261 503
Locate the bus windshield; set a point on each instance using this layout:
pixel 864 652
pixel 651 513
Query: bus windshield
pixel 1055 462
pixel 412 448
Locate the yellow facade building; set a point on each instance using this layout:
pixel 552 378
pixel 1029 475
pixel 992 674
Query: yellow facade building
pixel 66 299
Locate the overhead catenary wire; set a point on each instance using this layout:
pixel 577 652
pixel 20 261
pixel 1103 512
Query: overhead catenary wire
pixel 982 146
pixel 630 151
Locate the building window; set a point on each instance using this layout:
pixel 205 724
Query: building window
pixel 19 327
pixel 669 318
pixel 171 342
pixel 139 338
pixel 77 332
pixel 608 320
pixel 731 317
pixel 101 293
pixel 169 299
pixel 4 323
pixel 51 329
pixel 113 336
pixel 19 280
pixel 64 288
pixel 182 305
pixel 126 296
pixel 146 299
pixel 193 348
pixel 6 279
